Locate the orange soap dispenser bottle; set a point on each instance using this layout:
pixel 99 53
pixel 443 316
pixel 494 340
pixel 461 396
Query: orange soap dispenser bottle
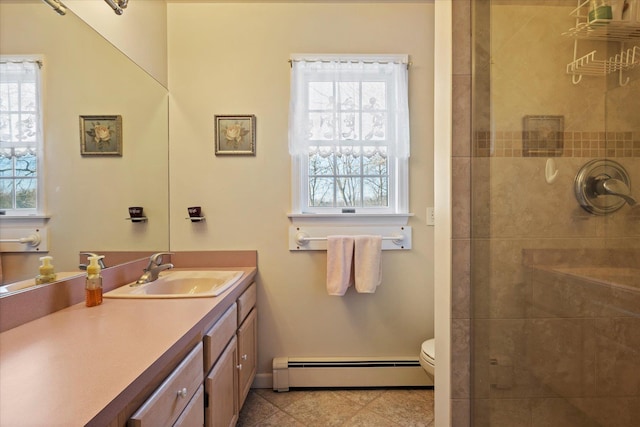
pixel 93 284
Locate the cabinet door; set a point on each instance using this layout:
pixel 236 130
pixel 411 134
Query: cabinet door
pixel 247 354
pixel 221 386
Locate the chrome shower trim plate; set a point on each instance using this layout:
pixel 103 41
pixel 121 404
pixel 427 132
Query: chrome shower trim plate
pixel 585 186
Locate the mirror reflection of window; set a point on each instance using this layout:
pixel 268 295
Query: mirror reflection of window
pixel 20 135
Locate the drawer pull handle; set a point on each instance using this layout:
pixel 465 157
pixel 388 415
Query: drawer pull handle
pixel 239 367
pixel 182 393
pixel 244 357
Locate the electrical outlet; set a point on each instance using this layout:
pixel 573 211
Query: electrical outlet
pixel 431 216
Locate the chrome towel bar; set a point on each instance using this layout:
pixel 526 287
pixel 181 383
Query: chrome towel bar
pixel 23 239
pixel 32 240
pixel 303 238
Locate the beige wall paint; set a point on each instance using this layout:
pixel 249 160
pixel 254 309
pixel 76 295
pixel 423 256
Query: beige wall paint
pixel 87 198
pixel 232 59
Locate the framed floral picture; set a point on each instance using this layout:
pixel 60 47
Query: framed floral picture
pixel 101 135
pixel 235 134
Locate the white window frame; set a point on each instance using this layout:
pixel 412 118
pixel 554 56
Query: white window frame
pixel 39 210
pixel 397 212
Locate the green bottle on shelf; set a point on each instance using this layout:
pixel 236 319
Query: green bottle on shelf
pixel 599 9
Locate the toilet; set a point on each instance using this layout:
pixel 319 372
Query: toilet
pixel 428 356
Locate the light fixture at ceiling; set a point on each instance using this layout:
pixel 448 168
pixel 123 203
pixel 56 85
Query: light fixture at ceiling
pixel 118 5
pixel 57 6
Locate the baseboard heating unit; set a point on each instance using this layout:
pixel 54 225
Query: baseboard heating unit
pixel 292 372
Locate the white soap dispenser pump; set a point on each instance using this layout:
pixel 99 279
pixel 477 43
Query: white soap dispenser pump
pixel 46 271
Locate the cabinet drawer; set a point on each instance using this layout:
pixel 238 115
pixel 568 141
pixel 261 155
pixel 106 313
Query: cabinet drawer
pixel 171 397
pixel 246 302
pixel 219 335
pixel 193 414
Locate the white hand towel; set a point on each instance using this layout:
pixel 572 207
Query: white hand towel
pixel 339 260
pixel 368 263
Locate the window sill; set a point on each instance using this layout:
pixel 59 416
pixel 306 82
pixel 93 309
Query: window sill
pixel 25 219
pixel 349 219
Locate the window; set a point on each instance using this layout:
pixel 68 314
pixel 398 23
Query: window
pixel 349 134
pixel 20 135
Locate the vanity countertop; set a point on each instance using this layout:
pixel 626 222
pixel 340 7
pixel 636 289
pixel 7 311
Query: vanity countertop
pixel 80 365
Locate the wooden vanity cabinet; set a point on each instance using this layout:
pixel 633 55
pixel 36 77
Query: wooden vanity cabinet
pixel 211 383
pixel 234 368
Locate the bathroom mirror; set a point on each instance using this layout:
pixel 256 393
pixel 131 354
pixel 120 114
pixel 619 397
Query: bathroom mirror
pixel 140 32
pixel 87 197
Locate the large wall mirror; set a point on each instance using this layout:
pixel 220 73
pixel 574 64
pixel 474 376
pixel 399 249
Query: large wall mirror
pixel 87 197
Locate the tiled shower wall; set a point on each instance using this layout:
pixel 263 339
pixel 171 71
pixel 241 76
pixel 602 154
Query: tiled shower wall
pixel 502 205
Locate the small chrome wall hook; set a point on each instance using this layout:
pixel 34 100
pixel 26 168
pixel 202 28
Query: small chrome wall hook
pixel 550 171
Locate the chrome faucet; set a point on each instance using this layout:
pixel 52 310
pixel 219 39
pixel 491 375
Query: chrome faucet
pixel 153 269
pixel 90 254
pixel 610 186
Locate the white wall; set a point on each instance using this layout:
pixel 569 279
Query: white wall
pixel 443 180
pixel 87 198
pixel 232 59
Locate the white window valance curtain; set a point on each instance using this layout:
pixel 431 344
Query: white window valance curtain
pixel 20 110
pixel 338 101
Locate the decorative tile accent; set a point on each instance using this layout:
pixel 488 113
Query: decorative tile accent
pixel 507 143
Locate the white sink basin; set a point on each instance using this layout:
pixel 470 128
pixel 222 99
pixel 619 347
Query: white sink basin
pixel 180 284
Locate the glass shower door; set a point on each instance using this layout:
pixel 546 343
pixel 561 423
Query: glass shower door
pixel 555 288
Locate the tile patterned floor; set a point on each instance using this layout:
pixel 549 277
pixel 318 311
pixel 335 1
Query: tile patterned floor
pixel 395 407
